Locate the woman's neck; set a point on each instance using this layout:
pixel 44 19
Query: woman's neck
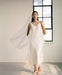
pixel 35 21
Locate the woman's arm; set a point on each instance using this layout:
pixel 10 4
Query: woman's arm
pixel 44 31
pixel 28 29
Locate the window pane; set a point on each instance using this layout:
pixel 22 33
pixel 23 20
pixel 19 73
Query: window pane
pixel 46 11
pixel 48 35
pixel 46 2
pixel 47 22
pixel 39 10
pixel 37 2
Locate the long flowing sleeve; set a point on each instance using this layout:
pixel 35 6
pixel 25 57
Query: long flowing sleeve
pixel 20 39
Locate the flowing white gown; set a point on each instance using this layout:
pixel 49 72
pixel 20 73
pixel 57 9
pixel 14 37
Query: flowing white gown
pixel 36 43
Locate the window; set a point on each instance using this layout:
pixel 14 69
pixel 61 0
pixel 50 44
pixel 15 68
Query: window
pixel 45 14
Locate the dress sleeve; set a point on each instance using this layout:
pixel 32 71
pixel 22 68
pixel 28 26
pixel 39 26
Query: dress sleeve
pixel 20 39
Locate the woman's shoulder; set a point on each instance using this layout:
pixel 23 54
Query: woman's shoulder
pixel 41 21
pixel 30 23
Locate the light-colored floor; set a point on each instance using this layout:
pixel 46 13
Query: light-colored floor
pixel 25 69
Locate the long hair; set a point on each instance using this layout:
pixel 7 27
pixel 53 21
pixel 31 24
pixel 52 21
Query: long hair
pixel 32 15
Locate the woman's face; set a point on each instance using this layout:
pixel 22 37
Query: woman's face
pixel 35 15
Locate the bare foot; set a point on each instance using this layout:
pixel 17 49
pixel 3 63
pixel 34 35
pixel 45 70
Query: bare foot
pixel 34 73
pixel 35 70
pixel 39 71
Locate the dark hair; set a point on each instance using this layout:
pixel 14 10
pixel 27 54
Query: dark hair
pixel 32 15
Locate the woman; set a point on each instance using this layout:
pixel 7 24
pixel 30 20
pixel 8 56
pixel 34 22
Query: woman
pixel 36 40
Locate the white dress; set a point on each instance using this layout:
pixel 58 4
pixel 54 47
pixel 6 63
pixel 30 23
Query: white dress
pixel 36 44
pixel 33 42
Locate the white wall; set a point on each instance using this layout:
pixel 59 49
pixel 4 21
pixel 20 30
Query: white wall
pixel 14 14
